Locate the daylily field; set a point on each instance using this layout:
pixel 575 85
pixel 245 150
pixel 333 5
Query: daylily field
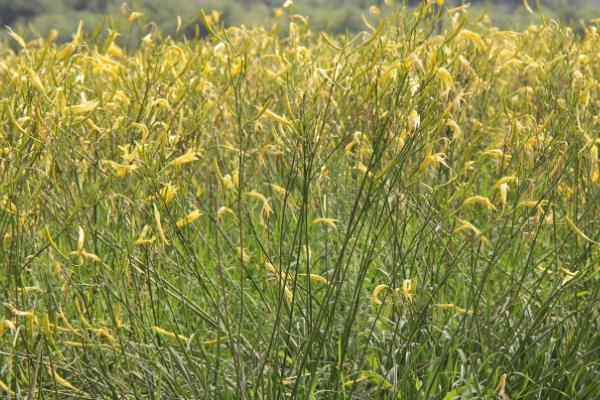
pixel 408 212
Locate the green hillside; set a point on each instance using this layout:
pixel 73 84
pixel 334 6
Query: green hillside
pixel 38 17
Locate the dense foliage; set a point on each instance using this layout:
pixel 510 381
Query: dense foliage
pixel 410 212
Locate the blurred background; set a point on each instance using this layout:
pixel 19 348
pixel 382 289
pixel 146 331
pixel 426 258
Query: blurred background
pixel 37 17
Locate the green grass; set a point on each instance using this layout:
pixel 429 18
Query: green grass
pixel 323 167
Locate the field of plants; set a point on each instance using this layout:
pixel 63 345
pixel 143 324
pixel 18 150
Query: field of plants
pixel 411 212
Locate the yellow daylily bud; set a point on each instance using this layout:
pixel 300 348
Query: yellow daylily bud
pixel 134 16
pixel 325 220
